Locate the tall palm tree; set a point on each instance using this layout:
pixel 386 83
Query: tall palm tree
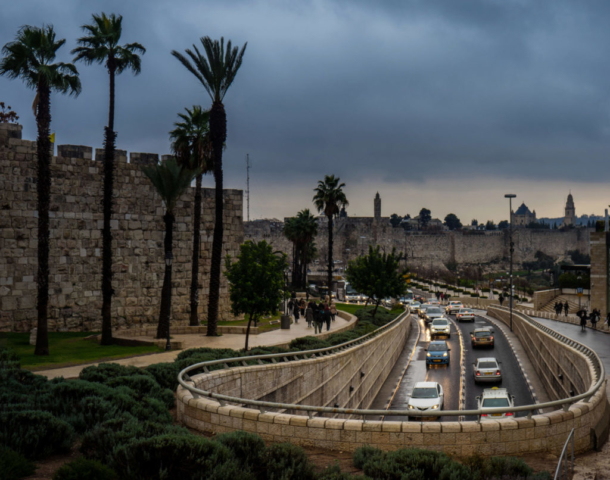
pixel 301 230
pixel 328 199
pixel 192 147
pixel 30 57
pixel 216 72
pixel 170 180
pixel 101 44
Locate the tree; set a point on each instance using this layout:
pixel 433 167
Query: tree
pixel 192 147
pixel 30 57
pixel 170 181
pixel 328 199
pixel 377 275
pixel 490 225
pixel 101 45
pixel 216 72
pixel 452 222
pixel 256 281
pixel 301 230
pixel 395 220
pixel 7 115
pixel 424 217
pixel 474 222
pixel 503 225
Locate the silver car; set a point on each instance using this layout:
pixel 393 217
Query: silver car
pixel 487 369
pixel 440 326
pixel 432 313
pixel 465 314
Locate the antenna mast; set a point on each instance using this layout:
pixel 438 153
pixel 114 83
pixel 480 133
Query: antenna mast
pixel 248 183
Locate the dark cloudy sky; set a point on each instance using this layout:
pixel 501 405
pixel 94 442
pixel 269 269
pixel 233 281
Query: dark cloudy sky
pixel 444 104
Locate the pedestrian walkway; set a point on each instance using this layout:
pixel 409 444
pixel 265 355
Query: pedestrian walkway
pixel 236 342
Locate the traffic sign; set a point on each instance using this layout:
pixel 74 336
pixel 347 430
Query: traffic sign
pixel 579 290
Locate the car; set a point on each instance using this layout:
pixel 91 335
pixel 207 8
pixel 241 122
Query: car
pixel 425 397
pixel 433 301
pixel 354 297
pixel 482 337
pixel 487 369
pixel 465 314
pixel 438 353
pixel 421 311
pixel 453 306
pixel 387 302
pixel 432 313
pixel 495 398
pixel 440 326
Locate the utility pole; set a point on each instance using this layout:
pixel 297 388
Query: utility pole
pixel 510 197
pixel 248 183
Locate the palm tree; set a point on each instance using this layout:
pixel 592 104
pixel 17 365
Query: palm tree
pixel 102 45
pixel 170 180
pixel 192 147
pixel 328 199
pixel 216 72
pixel 301 230
pixel 30 57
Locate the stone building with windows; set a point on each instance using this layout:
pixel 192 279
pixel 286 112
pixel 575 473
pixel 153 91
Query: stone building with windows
pixel 523 216
pixel 570 215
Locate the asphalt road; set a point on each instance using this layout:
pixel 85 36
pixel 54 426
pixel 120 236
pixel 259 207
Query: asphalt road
pixel 449 376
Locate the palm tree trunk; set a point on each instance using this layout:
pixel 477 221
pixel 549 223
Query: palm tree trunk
pixel 376 307
pixel 43 187
pixel 194 320
pixel 166 292
pixel 109 139
pixel 248 331
pixel 218 135
pixel 330 255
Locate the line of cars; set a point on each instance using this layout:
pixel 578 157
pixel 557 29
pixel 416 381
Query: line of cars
pixel 429 396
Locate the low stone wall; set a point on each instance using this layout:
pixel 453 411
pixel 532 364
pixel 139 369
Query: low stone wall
pixel 542 297
pixel 327 380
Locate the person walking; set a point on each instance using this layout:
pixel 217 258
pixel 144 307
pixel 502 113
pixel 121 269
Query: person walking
pixel 333 310
pixel 302 306
pixel 327 315
pixel 556 309
pixel 318 319
pixel 594 318
pixel 296 310
pixel 501 299
pixel 582 314
pixel 309 313
pixel 566 308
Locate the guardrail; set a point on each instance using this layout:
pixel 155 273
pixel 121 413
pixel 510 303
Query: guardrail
pixel 263 406
pixel 564 458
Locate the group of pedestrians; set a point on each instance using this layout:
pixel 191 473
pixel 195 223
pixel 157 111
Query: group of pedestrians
pixel 562 307
pixel 593 318
pixel 315 314
pixel 442 297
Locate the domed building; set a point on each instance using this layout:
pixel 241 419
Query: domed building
pixel 523 216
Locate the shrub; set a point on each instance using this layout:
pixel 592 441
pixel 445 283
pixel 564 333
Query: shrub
pixel 363 454
pixel 429 464
pixel 105 371
pixel 308 343
pixel 82 468
pixel 333 472
pixel 13 465
pixel 35 434
pixel 247 449
pixel 145 386
pixel 287 461
pixel 166 374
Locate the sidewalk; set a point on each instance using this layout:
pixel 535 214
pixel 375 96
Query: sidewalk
pixel 236 342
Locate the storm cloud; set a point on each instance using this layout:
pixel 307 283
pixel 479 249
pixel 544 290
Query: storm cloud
pixel 437 104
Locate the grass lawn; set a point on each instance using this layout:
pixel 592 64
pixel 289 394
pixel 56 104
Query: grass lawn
pixel 263 323
pixel 349 307
pixel 67 348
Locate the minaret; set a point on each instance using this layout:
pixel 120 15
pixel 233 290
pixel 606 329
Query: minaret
pixel 570 217
pixel 377 206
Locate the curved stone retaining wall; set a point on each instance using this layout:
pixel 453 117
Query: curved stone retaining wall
pixel 326 380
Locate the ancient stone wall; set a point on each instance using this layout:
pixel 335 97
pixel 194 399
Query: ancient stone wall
pixel 600 245
pixel 75 244
pixel 353 235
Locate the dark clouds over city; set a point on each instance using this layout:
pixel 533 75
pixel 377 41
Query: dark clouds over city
pixel 439 104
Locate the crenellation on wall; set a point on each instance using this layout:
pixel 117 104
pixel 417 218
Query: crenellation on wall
pixel 144 159
pixel 76 219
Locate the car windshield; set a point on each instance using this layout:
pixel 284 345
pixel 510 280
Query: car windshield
pixel 437 348
pixel 442 323
pixel 488 365
pixel 424 393
pixel 465 311
pixel 495 402
pixel 482 334
pixel 433 310
pixel 455 303
pixel 416 304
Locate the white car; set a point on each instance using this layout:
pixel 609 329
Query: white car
pixel 426 397
pixel 453 307
pixel 487 369
pixel 495 398
pixel 440 326
pixel 354 297
pixel 465 314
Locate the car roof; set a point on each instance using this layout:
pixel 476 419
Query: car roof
pixel 495 392
pixel 487 359
pixel 482 329
pixel 438 342
pixel 455 302
pixel 425 384
pixel 441 318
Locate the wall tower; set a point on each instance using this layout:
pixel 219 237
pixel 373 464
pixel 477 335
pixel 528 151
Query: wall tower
pixel 377 207
pixel 570 217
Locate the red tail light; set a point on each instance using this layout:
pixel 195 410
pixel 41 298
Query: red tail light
pixel 509 414
pixel 498 372
pixel 492 337
pixel 483 414
pixel 478 374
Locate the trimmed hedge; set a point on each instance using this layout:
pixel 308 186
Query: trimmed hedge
pixel 13 465
pixel 82 468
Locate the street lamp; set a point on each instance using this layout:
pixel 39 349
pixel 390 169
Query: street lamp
pixel 169 258
pixel 510 197
pixel 579 278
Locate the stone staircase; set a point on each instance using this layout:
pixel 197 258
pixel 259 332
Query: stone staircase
pixel 550 307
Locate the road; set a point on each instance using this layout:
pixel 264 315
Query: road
pixel 450 377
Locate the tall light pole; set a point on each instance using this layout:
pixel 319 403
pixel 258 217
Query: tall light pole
pixel 510 197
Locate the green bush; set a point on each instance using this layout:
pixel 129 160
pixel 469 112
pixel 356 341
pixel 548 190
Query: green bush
pixel 105 371
pixel 364 454
pixel 177 456
pixel 425 464
pixel 333 472
pixel 13 465
pixel 82 468
pixel 35 434
pixel 145 386
pixel 308 343
pixel 248 450
pixel 287 461
pixel 166 374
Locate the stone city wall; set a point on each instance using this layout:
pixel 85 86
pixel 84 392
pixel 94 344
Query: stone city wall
pixel 600 245
pixel 306 380
pixel 353 235
pixel 75 244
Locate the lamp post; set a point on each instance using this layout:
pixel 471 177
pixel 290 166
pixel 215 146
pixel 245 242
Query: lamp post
pixel 510 197
pixel 169 258
pixel 579 278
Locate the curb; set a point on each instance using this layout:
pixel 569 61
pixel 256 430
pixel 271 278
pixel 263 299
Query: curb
pixel 463 369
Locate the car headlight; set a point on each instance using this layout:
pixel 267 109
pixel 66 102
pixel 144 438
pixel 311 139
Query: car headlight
pixel 411 407
pixel 434 407
pixel 445 354
pixel 428 355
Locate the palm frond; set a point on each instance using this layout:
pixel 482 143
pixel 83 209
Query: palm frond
pixel 170 180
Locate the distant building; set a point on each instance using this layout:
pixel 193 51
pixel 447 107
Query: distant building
pixel 523 216
pixel 377 206
pixel 570 217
